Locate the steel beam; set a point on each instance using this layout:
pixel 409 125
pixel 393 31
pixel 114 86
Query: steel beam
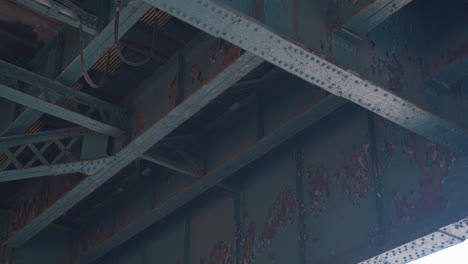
pixel 373 15
pixel 239 29
pixel 155 158
pixel 57 111
pixel 108 112
pixel 37 145
pixel 442 238
pixel 279 128
pixel 60 12
pixel 43 137
pixel 72 73
pixel 224 74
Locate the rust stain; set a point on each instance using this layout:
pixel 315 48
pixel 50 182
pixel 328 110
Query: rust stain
pixel 357 174
pixel 231 52
pixel 395 74
pixel 140 122
pixel 249 245
pixel 318 186
pixel 173 91
pixel 215 50
pixel 280 215
pixel 434 161
pixel 195 73
pixel 220 254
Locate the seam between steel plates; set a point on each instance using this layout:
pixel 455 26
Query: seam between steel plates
pixel 231 25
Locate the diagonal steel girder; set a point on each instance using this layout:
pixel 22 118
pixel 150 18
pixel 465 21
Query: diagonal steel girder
pixel 227 23
pixel 40 85
pixel 72 73
pixel 229 71
pixel 294 118
pixel 373 15
pixel 60 12
pixel 57 111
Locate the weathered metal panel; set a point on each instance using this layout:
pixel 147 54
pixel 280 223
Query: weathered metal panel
pixel 331 161
pixel 339 200
pixel 262 41
pixel 217 209
pixel 269 229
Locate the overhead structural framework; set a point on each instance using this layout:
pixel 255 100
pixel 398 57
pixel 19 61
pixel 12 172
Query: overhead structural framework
pixel 253 36
pixel 244 154
pixel 444 237
pixel 39 98
pixel 227 73
pixel 70 16
pixel 373 15
pixel 129 15
pixel 41 159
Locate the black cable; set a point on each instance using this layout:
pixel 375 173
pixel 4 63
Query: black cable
pixel 86 76
pixel 119 47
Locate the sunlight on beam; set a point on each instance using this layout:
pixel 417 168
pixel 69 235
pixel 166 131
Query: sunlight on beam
pixel 457 254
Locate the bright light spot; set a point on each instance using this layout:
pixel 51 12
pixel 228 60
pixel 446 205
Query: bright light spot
pixel 457 254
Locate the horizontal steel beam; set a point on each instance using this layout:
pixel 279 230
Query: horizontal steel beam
pixel 43 136
pixel 57 169
pixel 244 152
pixel 60 12
pixel 155 158
pixel 40 162
pixel 373 15
pixel 239 29
pixel 57 111
pixel 129 15
pixel 227 72
pixel 51 87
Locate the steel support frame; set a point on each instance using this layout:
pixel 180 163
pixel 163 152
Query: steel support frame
pixel 72 73
pixel 63 162
pixel 227 23
pixel 440 239
pixel 293 119
pixel 109 113
pixel 60 12
pixel 228 72
pixel 373 15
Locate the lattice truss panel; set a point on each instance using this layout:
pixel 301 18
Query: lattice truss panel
pixel 42 149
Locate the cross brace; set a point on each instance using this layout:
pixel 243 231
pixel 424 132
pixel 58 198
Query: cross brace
pixel 253 36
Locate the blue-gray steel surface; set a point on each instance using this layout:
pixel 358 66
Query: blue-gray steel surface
pixel 50 86
pixel 71 17
pixel 58 111
pixel 231 25
pixel 229 165
pixel 155 158
pixel 373 15
pixel 43 136
pixel 57 169
pixel 112 165
pixel 72 73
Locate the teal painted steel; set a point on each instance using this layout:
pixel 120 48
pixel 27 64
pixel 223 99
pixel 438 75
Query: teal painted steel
pixel 230 150
pixel 373 15
pixel 58 111
pixel 43 136
pixel 223 76
pixel 255 37
pixel 64 14
pixel 96 49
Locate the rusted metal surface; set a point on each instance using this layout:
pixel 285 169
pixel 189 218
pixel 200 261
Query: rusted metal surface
pixel 162 122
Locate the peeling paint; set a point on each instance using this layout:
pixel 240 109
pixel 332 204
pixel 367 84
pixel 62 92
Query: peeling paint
pixel 280 215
